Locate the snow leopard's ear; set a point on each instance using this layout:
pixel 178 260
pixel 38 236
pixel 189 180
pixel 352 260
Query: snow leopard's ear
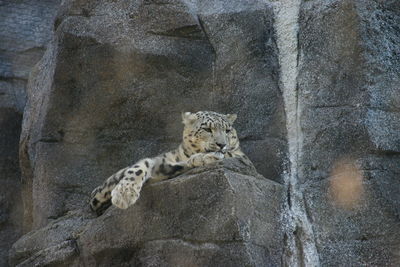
pixel 188 118
pixel 231 117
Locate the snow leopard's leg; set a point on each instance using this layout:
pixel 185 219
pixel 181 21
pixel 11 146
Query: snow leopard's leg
pixel 128 189
pixel 101 196
pixel 203 159
pixel 123 188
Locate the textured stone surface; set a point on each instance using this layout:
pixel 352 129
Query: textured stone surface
pixel 348 94
pixel 114 81
pixel 10 198
pixel 110 90
pixel 235 223
pixel 25 28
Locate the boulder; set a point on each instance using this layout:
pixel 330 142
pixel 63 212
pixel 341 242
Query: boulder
pixel 117 75
pixel 208 216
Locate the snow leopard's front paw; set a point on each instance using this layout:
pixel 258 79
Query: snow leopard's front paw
pixel 202 159
pixel 125 194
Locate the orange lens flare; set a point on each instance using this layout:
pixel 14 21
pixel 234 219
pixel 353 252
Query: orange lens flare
pixel 346 184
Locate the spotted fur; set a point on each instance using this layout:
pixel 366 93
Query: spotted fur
pixel 207 137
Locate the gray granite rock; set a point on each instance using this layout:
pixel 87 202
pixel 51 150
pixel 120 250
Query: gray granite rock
pixel 117 75
pixel 25 28
pixel 213 216
pixel 110 90
pixel 11 209
pixel 348 93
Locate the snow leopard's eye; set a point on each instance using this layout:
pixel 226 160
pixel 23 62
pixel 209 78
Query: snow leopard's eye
pixel 228 130
pixel 207 130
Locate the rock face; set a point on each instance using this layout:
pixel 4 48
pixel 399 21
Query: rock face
pixel 316 88
pixel 349 94
pixel 25 29
pixel 10 188
pixel 112 85
pixel 161 229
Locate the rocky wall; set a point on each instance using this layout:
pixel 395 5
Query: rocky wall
pixel 116 77
pixel 25 29
pixel 316 88
pixel 349 90
pixel 232 205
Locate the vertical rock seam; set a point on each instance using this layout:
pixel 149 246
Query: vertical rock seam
pixel 300 248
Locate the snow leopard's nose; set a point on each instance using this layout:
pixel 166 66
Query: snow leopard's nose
pixel 221 146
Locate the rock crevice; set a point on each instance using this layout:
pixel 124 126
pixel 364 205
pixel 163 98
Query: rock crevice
pixel 300 249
